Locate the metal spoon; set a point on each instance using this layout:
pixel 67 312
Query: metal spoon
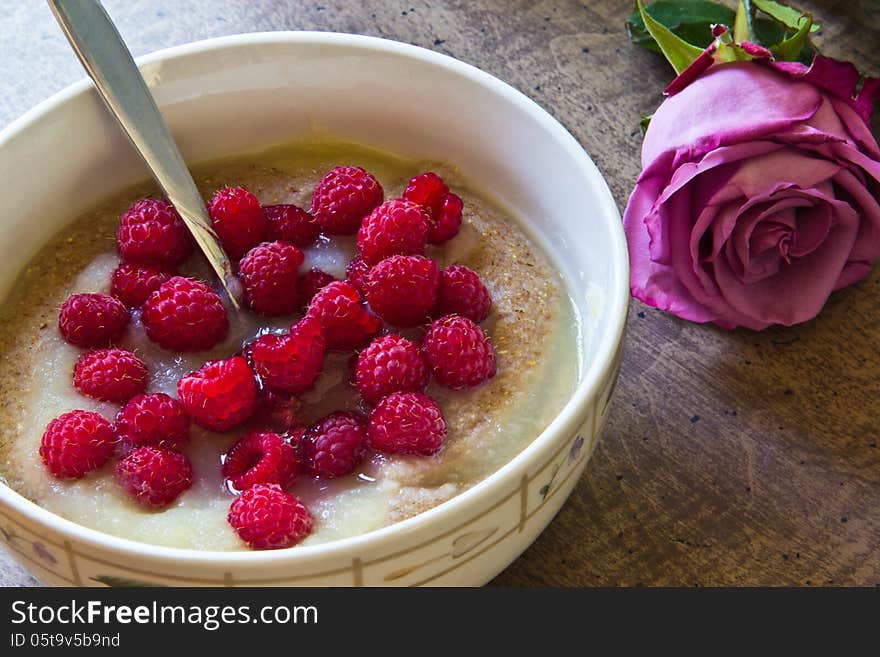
pixel 107 60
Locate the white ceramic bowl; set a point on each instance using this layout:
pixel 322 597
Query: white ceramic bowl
pixel 241 93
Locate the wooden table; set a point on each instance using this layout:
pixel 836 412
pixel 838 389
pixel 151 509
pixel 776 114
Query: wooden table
pixel 731 458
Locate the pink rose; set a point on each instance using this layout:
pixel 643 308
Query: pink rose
pixel 759 194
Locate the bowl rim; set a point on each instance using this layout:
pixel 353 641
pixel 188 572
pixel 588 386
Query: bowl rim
pixel 566 422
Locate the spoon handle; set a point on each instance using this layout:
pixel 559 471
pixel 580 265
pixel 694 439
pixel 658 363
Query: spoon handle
pixel 107 60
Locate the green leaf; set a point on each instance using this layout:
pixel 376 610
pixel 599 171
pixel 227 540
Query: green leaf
pixel 731 52
pixel 690 19
pixel 807 53
pixel 788 16
pixel 697 34
pixel 644 123
pixel 742 24
pixel 768 32
pixel 677 51
pixel 789 49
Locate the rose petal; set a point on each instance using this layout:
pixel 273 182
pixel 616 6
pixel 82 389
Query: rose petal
pixel 857 131
pixel 651 282
pixel 783 168
pixel 813 226
pixel 762 228
pixel 722 222
pixel 867 246
pixel 749 183
pixel 837 78
pixel 744 258
pixel 732 156
pixel 710 113
pixel 799 290
pixel 852 273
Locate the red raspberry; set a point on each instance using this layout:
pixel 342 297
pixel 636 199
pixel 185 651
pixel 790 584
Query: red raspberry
pixel 267 518
pixel 343 197
pixel 92 320
pixel 238 219
pixel 345 322
pixel 335 445
pixel 289 223
pixel 402 290
pixel 154 477
pixel 390 364
pixel 407 423
pixel 156 420
pixel 397 227
pixel 77 443
pixel 310 283
pixel 356 274
pixel 462 293
pixel 459 353
pixel 133 283
pixel 221 395
pixel 290 363
pixel 268 273
pixel 444 209
pixel 447 224
pixel 111 375
pixel 185 315
pixel 429 191
pixel 151 232
pixel 260 457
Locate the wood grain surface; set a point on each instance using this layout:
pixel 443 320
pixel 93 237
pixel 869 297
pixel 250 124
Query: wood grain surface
pixel 731 458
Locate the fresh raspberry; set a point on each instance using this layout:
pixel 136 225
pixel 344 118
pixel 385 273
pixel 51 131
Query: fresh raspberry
pixel 459 353
pixel 111 375
pixel 260 457
pixel 290 363
pixel 132 283
pixel 407 423
pixel 397 227
pixel 289 223
pixel 444 209
pixel 267 518
pixel 448 223
pixel 335 445
pixel 343 197
pixel 221 395
pixel 310 283
pixel 390 364
pixel 402 290
pixel 345 322
pixel 275 411
pixel 268 273
pixel 185 315
pixel 92 320
pixel 429 191
pixel 356 274
pixel 156 420
pixel 238 219
pixel 152 232
pixel 154 477
pixel 462 293
pixel 77 443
